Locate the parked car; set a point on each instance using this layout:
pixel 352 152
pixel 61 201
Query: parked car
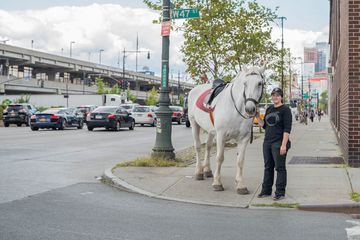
pixel 186 111
pixel 178 114
pixel 57 118
pixel 85 110
pixel 110 117
pixel 144 115
pixel 129 106
pixel 18 114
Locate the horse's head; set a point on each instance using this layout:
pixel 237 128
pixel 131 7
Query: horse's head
pixel 254 82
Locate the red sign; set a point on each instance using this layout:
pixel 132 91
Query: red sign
pixel 165 28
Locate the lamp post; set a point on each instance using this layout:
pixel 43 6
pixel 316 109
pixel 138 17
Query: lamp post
pixel 124 59
pixel 163 145
pixel 302 78
pixel 100 51
pixel 32 44
pixel 282 50
pixel 71 43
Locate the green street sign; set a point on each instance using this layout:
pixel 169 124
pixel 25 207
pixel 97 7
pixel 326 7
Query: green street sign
pixel 185 13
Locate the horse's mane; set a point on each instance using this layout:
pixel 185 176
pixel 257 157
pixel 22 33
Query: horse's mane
pixel 250 71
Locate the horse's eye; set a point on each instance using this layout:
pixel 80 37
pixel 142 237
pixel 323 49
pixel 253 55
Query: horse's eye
pixel 260 84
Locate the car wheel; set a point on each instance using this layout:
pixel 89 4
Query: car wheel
pixel 179 121
pixel 142 124
pixel 34 128
pixel 19 124
pixel 81 125
pixel 90 128
pixel 54 128
pixel 187 123
pixel 63 125
pixel 6 124
pixel 132 125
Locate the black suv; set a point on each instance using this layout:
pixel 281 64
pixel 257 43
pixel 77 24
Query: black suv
pixel 18 114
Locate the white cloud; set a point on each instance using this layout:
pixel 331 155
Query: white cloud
pixel 110 27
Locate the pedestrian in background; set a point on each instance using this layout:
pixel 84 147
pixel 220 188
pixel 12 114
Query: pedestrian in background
pixel 277 124
pixel 312 115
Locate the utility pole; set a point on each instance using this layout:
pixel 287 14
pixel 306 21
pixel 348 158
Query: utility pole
pixel 71 43
pixel 178 86
pixel 163 145
pixel 282 51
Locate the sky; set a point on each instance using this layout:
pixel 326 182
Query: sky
pixel 113 25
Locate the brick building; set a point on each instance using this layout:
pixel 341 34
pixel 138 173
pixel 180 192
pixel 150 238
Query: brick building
pixel 344 89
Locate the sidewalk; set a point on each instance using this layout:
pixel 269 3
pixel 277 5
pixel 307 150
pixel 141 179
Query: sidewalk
pixel 308 184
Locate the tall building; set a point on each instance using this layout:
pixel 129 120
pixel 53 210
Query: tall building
pixel 322 56
pixel 345 81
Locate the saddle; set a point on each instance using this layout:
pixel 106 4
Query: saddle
pixel 207 97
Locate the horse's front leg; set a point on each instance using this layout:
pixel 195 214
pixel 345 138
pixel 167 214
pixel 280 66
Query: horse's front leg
pixel 220 147
pixel 207 168
pixel 240 185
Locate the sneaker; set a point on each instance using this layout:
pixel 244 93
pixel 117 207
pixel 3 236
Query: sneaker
pixel 278 197
pixel 264 195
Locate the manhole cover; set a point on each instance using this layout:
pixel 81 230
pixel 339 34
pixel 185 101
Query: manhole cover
pixel 316 160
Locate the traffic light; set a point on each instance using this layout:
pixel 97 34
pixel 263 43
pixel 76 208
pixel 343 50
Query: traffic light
pixel 126 85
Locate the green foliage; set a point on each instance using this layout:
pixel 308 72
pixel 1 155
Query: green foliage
pixel 151 162
pixel 100 85
pixel 355 196
pixel 278 205
pixel 182 100
pixel 323 102
pixel 229 34
pixel 153 97
pixel 115 89
pixel 3 106
pixel 40 108
pixel 23 99
pixel 130 96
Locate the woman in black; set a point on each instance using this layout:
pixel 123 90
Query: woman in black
pixel 277 124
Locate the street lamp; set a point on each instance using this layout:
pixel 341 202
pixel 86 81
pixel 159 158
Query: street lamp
pixel 282 50
pixel 71 43
pixel 4 41
pixel 32 44
pixel 124 59
pixel 302 78
pixel 100 51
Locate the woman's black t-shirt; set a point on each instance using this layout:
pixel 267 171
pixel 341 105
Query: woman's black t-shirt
pixel 277 121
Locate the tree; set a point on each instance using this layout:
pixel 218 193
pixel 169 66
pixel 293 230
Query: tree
pixel 153 98
pixel 115 89
pixel 324 100
pixel 229 34
pixel 130 96
pixel 23 99
pixel 100 85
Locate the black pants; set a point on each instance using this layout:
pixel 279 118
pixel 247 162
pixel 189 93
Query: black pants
pixel 273 159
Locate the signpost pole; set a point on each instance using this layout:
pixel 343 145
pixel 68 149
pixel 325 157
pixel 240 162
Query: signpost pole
pixel 163 145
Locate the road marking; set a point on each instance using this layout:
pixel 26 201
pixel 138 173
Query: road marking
pixel 86 193
pixel 353 233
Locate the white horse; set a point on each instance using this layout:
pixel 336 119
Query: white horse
pixel 232 114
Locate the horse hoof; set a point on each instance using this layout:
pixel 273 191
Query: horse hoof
pixel 242 191
pixel 218 188
pixel 208 174
pixel 199 176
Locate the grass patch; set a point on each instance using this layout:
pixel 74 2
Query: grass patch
pixel 278 205
pixel 355 196
pixel 152 162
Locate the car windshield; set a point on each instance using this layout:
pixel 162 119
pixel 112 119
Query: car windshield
pixel 126 106
pixel 141 109
pixel 14 107
pixel 84 109
pixel 176 109
pixel 54 111
pixel 105 110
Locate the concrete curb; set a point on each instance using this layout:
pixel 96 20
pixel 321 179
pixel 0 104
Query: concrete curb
pixel 349 208
pixel 109 178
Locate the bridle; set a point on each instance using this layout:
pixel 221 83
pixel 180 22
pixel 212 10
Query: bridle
pixel 256 102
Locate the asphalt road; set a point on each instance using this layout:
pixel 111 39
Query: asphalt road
pixel 35 162
pixel 97 211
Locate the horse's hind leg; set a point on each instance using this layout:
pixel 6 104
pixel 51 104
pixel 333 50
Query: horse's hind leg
pixel 220 145
pixel 207 169
pixel 199 172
